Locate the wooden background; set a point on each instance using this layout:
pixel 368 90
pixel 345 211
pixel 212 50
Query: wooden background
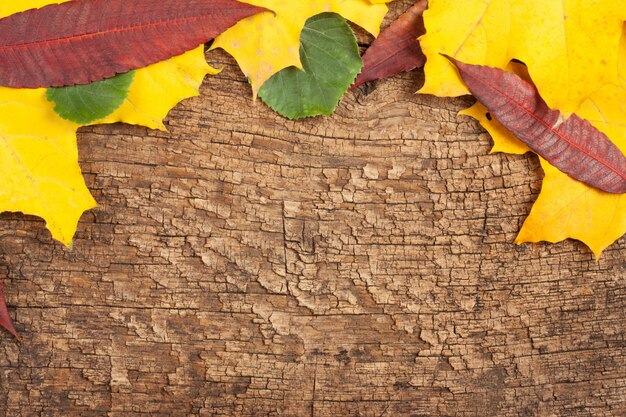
pixel 360 265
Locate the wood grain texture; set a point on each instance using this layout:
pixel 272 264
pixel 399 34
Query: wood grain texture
pixel 246 265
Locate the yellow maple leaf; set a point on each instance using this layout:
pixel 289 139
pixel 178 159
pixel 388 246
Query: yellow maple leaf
pixel 575 52
pixel 159 87
pixel 268 42
pixel 569 46
pixel 38 151
pixel 567 208
pixel 39 158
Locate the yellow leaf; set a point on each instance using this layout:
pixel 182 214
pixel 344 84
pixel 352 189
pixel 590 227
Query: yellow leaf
pixel 266 43
pixel 575 53
pixel 39 158
pixel 159 87
pixel 569 46
pixel 503 139
pixel 567 208
pixel 38 152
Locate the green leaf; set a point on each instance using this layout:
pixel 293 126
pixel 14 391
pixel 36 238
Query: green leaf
pixel 331 61
pixel 87 103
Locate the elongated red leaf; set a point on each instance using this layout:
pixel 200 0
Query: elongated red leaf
pixel 5 319
pixel 397 48
pixel 83 41
pixel 574 146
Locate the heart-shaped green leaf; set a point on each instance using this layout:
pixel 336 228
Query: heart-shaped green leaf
pixel 331 61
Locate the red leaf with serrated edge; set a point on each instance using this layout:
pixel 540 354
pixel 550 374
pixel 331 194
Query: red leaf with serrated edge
pixel 574 146
pixel 5 319
pixel 83 41
pixel 397 48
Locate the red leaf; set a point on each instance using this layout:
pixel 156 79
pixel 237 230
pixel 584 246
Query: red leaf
pixel 83 41
pixel 5 319
pixel 574 146
pixel 397 48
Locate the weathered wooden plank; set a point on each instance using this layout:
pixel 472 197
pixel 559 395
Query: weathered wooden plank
pixel 245 265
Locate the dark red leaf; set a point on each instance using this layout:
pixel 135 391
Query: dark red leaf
pixel 83 41
pixel 397 48
pixel 5 319
pixel 574 146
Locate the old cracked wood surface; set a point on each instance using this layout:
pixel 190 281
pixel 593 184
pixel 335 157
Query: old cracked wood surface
pixel 361 265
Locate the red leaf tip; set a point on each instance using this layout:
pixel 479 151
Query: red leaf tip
pixel 5 318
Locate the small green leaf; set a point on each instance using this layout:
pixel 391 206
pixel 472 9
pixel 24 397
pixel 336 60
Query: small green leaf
pixel 87 103
pixel 331 61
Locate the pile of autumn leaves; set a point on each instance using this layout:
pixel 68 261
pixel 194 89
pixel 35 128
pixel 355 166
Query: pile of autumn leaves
pixel 301 57
pixel 575 54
